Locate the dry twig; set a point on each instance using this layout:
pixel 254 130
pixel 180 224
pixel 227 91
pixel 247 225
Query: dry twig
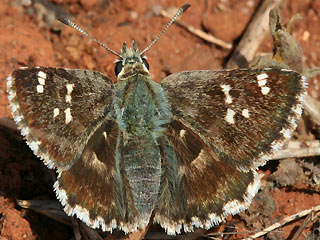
pixel 294 149
pixel 201 34
pixel 285 221
pixel 296 153
pixel 311 218
pixel 253 35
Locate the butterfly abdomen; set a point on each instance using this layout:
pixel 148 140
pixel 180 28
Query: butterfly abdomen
pixel 143 173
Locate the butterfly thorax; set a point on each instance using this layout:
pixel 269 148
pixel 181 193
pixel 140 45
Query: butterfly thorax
pixel 140 104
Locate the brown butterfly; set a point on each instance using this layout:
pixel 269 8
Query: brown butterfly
pixel 184 151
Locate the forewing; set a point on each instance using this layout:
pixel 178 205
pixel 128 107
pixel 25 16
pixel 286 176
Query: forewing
pixel 198 190
pixel 242 115
pixel 57 110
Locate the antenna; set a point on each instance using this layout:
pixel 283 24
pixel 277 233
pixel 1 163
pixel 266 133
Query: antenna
pixel 68 22
pixel 178 14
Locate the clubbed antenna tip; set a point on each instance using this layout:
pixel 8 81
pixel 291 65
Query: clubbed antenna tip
pixel 185 7
pixel 178 14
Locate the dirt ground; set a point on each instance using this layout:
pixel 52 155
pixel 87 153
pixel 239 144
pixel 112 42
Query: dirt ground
pixel 30 36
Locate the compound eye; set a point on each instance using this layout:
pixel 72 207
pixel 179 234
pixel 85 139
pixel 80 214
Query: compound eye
pixel 118 67
pixel 145 62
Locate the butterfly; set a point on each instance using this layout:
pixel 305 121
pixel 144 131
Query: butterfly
pixel 183 152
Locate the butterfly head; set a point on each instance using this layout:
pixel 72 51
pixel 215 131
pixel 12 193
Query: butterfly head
pixel 131 62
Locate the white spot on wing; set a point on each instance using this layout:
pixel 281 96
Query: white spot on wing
pixel 262 83
pixel 105 135
pixel 42 75
pixel 182 133
pixel 56 112
pixel 69 91
pixel 265 90
pixel 40 88
pixel 230 116
pixel 68 115
pixel 245 113
pixel 226 89
pixel 41 81
pixel 69 88
pixel 41 78
pixel 68 99
pixel 262 76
